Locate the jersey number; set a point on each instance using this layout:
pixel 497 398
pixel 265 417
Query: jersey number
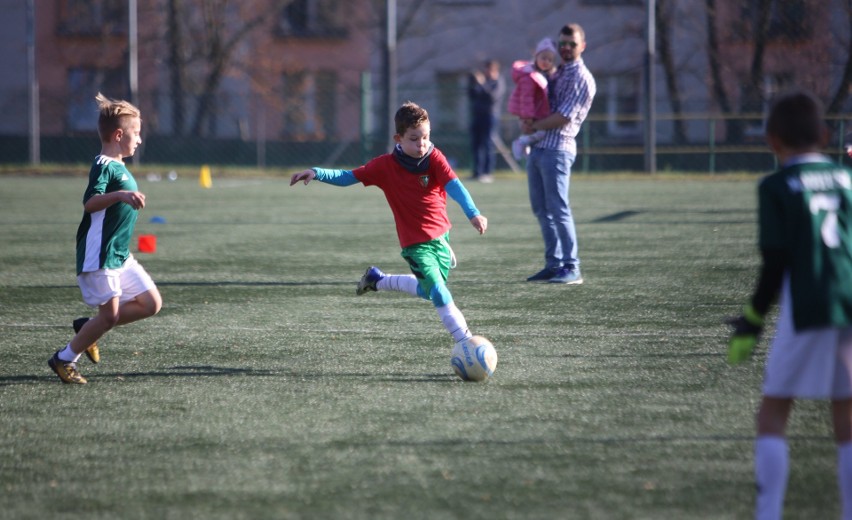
pixel 830 204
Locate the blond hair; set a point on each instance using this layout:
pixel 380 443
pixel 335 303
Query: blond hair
pixel 114 114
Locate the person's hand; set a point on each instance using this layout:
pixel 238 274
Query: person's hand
pixel 849 150
pixel 747 329
pixel 135 199
pixel 480 223
pixel 305 176
pixel 526 126
pixel 478 76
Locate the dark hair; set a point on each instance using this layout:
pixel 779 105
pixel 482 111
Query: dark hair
pixel 409 115
pixel 796 120
pixel 573 28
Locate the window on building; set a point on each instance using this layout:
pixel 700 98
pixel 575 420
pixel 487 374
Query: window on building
pixel 83 84
pixel 313 19
pixel 310 105
pixel 93 17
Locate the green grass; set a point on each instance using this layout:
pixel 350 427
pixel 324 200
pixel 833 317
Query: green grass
pixel 266 389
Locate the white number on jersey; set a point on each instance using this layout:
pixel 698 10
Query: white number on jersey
pixel 829 203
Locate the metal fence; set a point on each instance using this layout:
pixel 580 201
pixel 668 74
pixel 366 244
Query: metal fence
pixel 596 151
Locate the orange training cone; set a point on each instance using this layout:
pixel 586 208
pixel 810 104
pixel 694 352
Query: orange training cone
pixel 147 243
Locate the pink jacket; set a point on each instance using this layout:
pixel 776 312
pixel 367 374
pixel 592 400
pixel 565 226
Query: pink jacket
pixel 529 98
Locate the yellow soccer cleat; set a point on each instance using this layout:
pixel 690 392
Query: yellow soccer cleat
pixel 66 370
pixel 93 353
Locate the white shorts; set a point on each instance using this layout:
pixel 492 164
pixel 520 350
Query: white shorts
pixel 811 364
pixel 126 283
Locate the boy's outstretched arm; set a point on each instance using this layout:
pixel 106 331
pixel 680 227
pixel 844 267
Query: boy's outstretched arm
pixel 336 177
pixel 306 176
pixel 457 191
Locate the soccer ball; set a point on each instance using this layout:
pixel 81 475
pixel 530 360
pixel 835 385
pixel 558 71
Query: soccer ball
pixel 474 359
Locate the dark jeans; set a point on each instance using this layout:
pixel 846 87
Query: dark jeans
pixel 483 148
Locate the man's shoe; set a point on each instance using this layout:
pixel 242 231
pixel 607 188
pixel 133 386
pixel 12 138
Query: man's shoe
pixel 544 275
pixel 486 178
pixel 369 280
pixel 567 276
pixel 93 352
pixel 66 370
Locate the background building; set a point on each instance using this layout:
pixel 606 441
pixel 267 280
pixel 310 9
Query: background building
pixel 293 82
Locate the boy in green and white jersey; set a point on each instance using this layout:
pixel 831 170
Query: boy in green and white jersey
pixel 805 239
pixel 108 275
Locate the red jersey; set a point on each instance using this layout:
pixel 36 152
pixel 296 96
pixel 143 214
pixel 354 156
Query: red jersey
pixel 418 200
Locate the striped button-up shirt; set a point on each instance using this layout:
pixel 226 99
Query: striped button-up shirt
pixel 571 91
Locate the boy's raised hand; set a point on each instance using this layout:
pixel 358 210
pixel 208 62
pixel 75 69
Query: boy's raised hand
pixel 306 176
pixel 480 223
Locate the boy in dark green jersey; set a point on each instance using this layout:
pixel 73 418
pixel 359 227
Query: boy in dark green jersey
pixel 805 239
pixel 108 275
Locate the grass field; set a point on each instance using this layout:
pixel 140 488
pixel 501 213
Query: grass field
pixel 266 389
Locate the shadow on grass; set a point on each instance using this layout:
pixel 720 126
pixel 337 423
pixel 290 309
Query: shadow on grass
pixel 728 216
pixel 210 283
pixel 214 371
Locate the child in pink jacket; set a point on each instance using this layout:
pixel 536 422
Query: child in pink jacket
pixel 529 98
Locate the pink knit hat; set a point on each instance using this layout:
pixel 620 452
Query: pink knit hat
pixel 545 45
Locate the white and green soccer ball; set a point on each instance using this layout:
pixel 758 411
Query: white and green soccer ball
pixel 474 359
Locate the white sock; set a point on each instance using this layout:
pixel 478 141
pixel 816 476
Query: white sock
pixel 771 468
pixel 454 321
pixel 844 479
pixel 406 283
pixel 67 354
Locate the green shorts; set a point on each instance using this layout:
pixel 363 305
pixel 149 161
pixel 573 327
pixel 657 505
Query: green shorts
pixel 430 262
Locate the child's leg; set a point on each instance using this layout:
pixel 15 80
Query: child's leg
pixel 92 330
pixel 430 262
pixel 143 306
pixel 454 322
pixel 771 457
pixel 406 283
pixel 841 412
pixel 134 297
pixel 140 297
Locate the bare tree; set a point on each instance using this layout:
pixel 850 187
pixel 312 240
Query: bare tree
pixel 664 16
pixel 177 71
pixel 203 37
pixel 842 93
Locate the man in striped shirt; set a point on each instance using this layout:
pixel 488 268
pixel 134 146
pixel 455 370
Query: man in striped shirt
pixel 549 165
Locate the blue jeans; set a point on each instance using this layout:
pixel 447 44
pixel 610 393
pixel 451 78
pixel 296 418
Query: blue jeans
pixel 482 147
pixel 549 179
